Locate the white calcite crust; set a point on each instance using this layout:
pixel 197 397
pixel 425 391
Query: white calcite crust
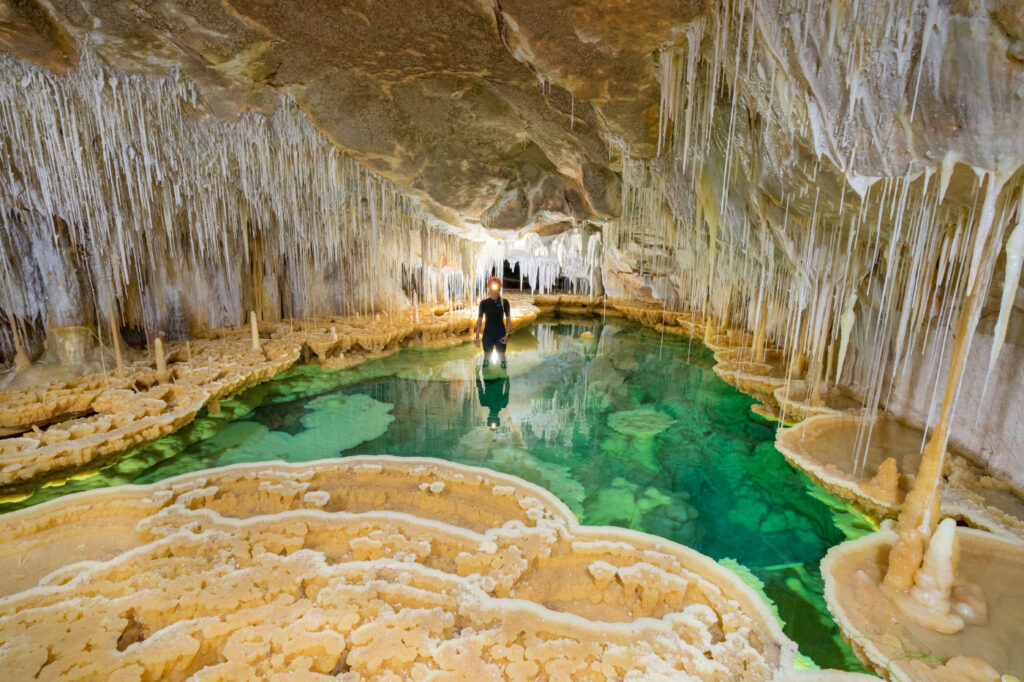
pixel 363 568
pixel 121 413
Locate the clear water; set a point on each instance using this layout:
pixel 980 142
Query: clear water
pixel 628 428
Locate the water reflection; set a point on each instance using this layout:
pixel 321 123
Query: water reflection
pixel 493 393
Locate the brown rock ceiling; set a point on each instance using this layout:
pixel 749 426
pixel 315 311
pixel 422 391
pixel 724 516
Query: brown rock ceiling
pixel 493 111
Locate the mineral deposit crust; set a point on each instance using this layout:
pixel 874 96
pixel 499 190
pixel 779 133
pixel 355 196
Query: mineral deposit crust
pixel 369 567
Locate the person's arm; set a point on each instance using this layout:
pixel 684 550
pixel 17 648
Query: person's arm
pixel 508 321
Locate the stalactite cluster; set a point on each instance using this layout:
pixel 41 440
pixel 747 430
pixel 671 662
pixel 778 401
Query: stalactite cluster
pixel 830 194
pixel 121 196
pixel 853 258
pixel 808 189
pixel 574 255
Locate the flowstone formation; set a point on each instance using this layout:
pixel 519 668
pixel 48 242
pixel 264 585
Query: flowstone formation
pixel 363 568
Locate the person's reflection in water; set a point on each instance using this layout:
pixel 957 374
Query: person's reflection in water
pixel 493 395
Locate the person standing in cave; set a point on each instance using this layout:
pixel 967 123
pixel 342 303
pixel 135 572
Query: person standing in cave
pixel 498 323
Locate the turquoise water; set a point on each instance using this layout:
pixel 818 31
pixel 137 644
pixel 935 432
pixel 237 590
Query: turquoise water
pixel 627 428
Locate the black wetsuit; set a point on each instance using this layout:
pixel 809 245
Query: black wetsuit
pixel 494 325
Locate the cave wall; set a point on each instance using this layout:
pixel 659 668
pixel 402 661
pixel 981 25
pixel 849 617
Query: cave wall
pixel 990 420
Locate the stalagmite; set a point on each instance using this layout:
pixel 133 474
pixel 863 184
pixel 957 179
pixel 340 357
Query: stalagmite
pixel 885 483
pixel 254 330
pixel 21 359
pixel 929 601
pixel 904 559
pixel 896 645
pixel 158 351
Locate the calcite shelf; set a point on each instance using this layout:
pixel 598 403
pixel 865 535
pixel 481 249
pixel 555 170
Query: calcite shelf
pixel 826 448
pixel 368 568
pixel 102 415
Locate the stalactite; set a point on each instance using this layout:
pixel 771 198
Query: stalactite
pixel 796 266
pixel 1014 259
pixel 906 258
pixel 921 512
pixel 574 255
pixel 115 338
pixel 846 321
pixel 175 213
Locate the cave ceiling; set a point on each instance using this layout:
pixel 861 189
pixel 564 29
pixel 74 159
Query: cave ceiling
pixel 516 114
pixel 499 112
